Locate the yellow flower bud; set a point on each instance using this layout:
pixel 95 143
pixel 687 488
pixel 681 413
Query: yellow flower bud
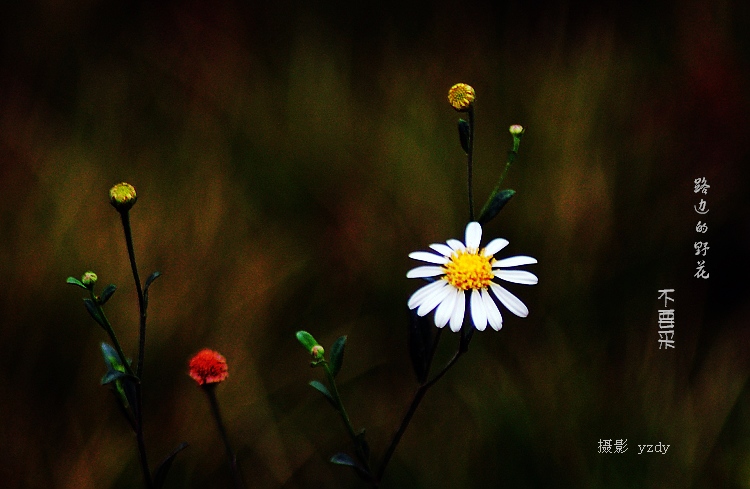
pixel 122 196
pixel 461 97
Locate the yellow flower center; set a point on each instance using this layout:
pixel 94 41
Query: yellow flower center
pixel 469 271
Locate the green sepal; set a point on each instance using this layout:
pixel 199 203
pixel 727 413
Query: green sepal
pixel 160 474
pixel 148 283
pixel 344 459
pixel 464 134
pixel 323 390
pixel 306 340
pixel 494 204
pixel 75 281
pixel 94 312
pixel 420 344
pixel 337 355
pixel 106 294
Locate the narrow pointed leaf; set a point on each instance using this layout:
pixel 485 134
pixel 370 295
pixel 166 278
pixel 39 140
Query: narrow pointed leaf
pixel 160 474
pixel 150 280
pixel 107 293
pixel 464 133
pixel 362 441
pixel 91 308
pixel 112 376
pixel 337 354
pixel 75 281
pixel 494 204
pixel 323 390
pixel 307 340
pixel 111 358
pixel 420 344
pixel 467 332
pixel 344 459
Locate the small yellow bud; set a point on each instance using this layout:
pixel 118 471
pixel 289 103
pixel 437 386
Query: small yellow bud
pixel 516 130
pixel 89 279
pixel 461 97
pixel 317 352
pixel 122 196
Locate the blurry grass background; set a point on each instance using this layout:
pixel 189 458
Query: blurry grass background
pixel 288 156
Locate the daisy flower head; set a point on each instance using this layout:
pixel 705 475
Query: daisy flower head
pixel 460 269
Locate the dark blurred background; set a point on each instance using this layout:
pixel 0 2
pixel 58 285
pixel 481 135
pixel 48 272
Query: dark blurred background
pixel 288 157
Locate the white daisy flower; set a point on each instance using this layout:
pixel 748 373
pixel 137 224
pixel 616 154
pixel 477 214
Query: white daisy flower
pixel 466 268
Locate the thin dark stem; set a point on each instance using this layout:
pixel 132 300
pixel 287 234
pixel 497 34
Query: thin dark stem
pixel 141 349
pixel 141 302
pixel 345 417
pixel 141 441
pixel 469 162
pixel 234 467
pixel 418 396
pixel 112 335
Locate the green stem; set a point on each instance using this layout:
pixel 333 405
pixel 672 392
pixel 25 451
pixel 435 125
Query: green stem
pixel 469 162
pixel 418 396
pixel 125 216
pixel 111 332
pixel 141 302
pixel 345 417
pixel 233 466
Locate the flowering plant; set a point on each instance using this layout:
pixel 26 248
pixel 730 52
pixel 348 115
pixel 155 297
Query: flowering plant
pixel 462 276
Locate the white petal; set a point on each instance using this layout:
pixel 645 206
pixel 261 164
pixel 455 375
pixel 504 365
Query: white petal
pixel 418 297
pixel 493 313
pixel 445 309
pixel 444 250
pixel 428 257
pixel 510 301
pixel 456 244
pixel 426 271
pixel 517 276
pixel 473 235
pixel 478 313
pixel 514 261
pixel 457 318
pixel 432 300
pixel 494 246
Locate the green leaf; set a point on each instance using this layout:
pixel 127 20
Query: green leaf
pixel 467 332
pixel 149 281
pixel 112 359
pixel 160 474
pixel 107 293
pixel 306 340
pixel 75 281
pixel 464 134
pixel 323 390
pixel 343 459
pixel 420 344
pixel 337 355
pixel 94 312
pixel 112 376
pixel 494 204
pixel 363 444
